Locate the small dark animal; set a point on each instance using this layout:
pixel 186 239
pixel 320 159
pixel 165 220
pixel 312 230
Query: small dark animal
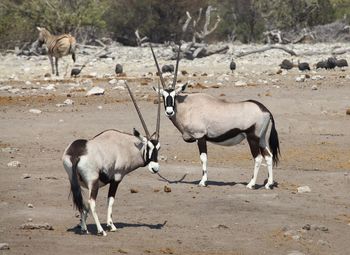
pixel 321 64
pixel 168 68
pixel 342 63
pixel 232 65
pixel 303 66
pixel 286 64
pixel 76 71
pixel 118 69
pixel 331 63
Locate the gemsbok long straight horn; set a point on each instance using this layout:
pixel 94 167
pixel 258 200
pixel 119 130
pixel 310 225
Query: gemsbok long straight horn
pixel 203 118
pixel 106 159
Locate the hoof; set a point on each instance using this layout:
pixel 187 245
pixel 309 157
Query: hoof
pixel 202 184
pixel 249 186
pixel 111 228
pixel 84 232
pixel 102 233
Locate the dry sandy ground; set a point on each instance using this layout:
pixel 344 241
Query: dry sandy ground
pixel 223 218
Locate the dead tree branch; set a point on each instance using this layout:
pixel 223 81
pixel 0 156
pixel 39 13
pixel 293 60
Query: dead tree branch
pixel 266 48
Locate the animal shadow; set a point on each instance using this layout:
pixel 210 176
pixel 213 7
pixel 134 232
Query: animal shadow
pixel 93 229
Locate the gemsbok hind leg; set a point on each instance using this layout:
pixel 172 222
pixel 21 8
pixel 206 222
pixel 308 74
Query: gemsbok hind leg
pixel 269 161
pixel 83 217
pixel 253 142
pixel 202 146
pixel 93 191
pixel 113 186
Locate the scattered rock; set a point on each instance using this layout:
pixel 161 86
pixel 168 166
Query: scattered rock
pixel 26 176
pixel 28 83
pixel 317 77
pixel 30 206
pixel 122 251
pixel 4 246
pixel 95 91
pixel 348 111
pixel 14 164
pixel 47 75
pixel 322 242
pixel 49 87
pixel 156 190
pixel 100 107
pixel 9 150
pixel 167 251
pixel 87 82
pixel 221 226
pixel 167 189
pixel 295 253
pixel 163 158
pixel 113 81
pixel 35 111
pixel 314 87
pixel 93 74
pixel 304 189
pixel 134 191
pixel 184 72
pixel 300 78
pixel 68 101
pixel 14 91
pixel 32 226
pixel 3 88
pixel 240 83
pixel 119 87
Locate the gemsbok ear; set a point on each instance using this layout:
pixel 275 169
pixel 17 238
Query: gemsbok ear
pixel 139 136
pixel 182 88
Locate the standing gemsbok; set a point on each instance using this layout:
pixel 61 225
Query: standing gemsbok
pixel 57 46
pixel 106 159
pixel 201 117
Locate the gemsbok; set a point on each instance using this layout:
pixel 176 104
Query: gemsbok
pixel 106 159
pixel 57 45
pixel 204 118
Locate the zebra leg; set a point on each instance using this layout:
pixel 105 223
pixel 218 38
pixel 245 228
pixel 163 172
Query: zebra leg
pixel 92 204
pixel 202 146
pixel 111 194
pixel 51 62
pixel 255 150
pixel 268 158
pixel 56 63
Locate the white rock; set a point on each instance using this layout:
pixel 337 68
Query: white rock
pixel 29 83
pixel 68 101
pixel 60 105
pixel 304 189
pixel 49 87
pixel 8 87
pixel 4 246
pixel 314 87
pixel 317 77
pixel 61 120
pixel 35 111
pixel 300 78
pixel 100 107
pixel 93 74
pixel 95 91
pixel 14 91
pixel 240 83
pixel 14 164
pixel 121 83
pixel 30 206
pixel 119 87
pixel 113 81
pixel 295 253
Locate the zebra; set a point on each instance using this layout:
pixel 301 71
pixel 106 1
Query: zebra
pixel 57 46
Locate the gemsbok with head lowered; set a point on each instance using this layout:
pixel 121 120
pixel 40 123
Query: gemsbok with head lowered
pixel 106 159
pixel 203 118
pixel 57 46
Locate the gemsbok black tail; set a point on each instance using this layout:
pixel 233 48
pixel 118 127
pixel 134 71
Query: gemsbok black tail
pixel 75 187
pixel 274 143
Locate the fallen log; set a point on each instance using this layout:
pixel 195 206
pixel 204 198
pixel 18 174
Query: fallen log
pixel 266 48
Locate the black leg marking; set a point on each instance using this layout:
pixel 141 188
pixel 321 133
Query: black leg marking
pixel 113 186
pixel 202 145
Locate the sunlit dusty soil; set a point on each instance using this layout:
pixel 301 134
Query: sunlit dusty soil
pixel 223 218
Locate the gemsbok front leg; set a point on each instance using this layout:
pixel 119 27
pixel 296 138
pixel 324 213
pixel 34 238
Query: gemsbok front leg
pixel 113 186
pixel 202 146
pixel 253 142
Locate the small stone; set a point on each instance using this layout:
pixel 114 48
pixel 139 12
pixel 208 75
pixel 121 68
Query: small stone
pixel 163 158
pixel 9 150
pixel 4 246
pixel 30 206
pixel 100 107
pixel 167 189
pixel 295 253
pixel 290 233
pixel 49 87
pixel 221 226
pixel 119 87
pixel 26 176
pixel 3 88
pixel 14 91
pixel 47 75
pixel 68 101
pixel 35 111
pixel 93 74
pixel 134 191
pixel 113 81
pixel 314 87
pixel 87 82
pixel 28 83
pixel 14 164
pixel 240 83
pixel 322 242
pixel 300 78
pixel 95 91
pixel 304 189
pixel 348 111
pixel 307 227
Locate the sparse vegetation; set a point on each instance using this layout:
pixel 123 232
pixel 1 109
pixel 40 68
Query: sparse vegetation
pixel 243 20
